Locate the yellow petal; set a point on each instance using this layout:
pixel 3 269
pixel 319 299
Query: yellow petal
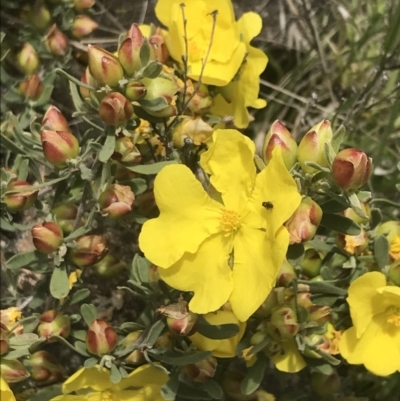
pixel 364 300
pixel 206 273
pixel 250 25
pixel 274 184
pixel 291 360
pixel 229 160
pixel 145 375
pixel 163 10
pixel 187 216
pixel 350 348
pixel 6 393
pixel 85 378
pixel 68 398
pixel 257 260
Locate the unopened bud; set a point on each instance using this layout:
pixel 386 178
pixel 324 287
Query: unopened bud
pixel 89 80
pixel 47 237
pixel 354 244
pixel 31 87
pixel 135 90
pixel 166 112
pixel 352 215
pixel 28 59
pixel 304 222
pixel 201 371
pixel 109 266
pixel 81 5
pixel 56 41
pixel 351 168
pixel 279 136
pixel 311 263
pixel 55 120
pixel 319 314
pixel 319 342
pixel 101 338
pixel 129 51
pixel 312 146
pixel 65 215
pixel 39 16
pixel 19 201
pixel 4 336
pixel 53 322
pixel 117 200
pixel 136 357
pixel 160 49
pixel 12 371
pixel 125 151
pixel 183 326
pixel 115 109
pixel 283 324
pixel 324 385
pixel 83 26
pixel 286 274
pixel 45 368
pixel 160 87
pixel 194 128
pixel 59 147
pixel 90 249
pixel 104 67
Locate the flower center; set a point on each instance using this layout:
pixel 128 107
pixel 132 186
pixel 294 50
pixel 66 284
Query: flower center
pixel 107 396
pixel 393 316
pixel 230 221
pixel 394 250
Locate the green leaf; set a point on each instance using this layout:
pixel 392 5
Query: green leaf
pixel 22 260
pixel 47 393
pixel 76 97
pixel 115 374
pixel 381 251
pixel 333 206
pixel 12 226
pixel 170 389
pixel 294 253
pixel 81 347
pixel 89 313
pixel 138 185
pixel 157 104
pixel 59 284
pixel 177 359
pixel 45 96
pixel 90 363
pixel 322 287
pixel 77 233
pixel 23 340
pixel 149 169
pixel 154 332
pixel 29 323
pixel 356 205
pixel 109 145
pixel 338 137
pixel 86 173
pixel 340 224
pixel 73 79
pixel 376 218
pixel 216 332
pixel 140 269
pixel 254 376
pixel 79 295
pixel 152 70
pixel 213 389
pixel 144 52
pixel 259 346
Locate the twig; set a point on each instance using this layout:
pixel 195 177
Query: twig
pixel 186 55
pixel 111 17
pixel 143 12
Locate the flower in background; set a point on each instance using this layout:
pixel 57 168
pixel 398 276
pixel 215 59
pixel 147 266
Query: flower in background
pixel 6 393
pixel 95 384
pixel 374 339
pixel 228 249
pixel 10 316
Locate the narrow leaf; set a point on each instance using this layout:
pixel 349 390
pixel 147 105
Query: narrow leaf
pixel 340 224
pixel 381 251
pixel 108 147
pixel 150 169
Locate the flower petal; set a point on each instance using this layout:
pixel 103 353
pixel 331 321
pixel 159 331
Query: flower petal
pixel 257 260
pixel 206 273
pixel 145 375
pixel 6 393
pixel 250 25
pixel 187 216
pixel 364 299
pixel 291 360
pixel 230 162
pixel 88 378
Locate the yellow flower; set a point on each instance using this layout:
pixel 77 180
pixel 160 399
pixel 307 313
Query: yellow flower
pixel 228 249
pixel 5 392
pixel 225 348
pixel 392 231
pixel 242 92
pixel 10 316
pixel 95 385
pixel 374 340
pixel 227 51
pixel 290 360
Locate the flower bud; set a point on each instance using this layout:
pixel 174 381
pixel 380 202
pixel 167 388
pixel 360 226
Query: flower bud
pixel 279 135
pixel 160 49
pixel 352 215
pixel 194 128
pixel 13 371
pixel 354 244
pixel 312 262
pixel 39 16
pixel 55 120
pixel 65 216
pixel 125 151
pixel 324 385
pixel 109 266
pixel 319 314
pixel 283 324
pixel 201 100
pixel 104 67
pixel 83 26
pixel 19 201
pixel 115 109
pixel 28 59
pixel 90 249
pixel 81 5
pixel 47 237
pixel 312 146
pixel 59 147
pixel 136 357
pixel 101 339
pixel 183 326
pixel 129 51
pixel 286 274
pixel 45 368
pixel 202 371
pixel 160 87
pixel 351 168
pixel 394 273
pixel 166 112
pixel 391 229
pixel 116 201
pixel 31 87
pixel 135 90
pixel 275 298
pixel 56 41
pixel 304 222
pixel 89 80
pixel 4 336
pixel 54 323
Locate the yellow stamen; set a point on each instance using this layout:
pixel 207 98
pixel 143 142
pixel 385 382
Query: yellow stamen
pixel 107 396
pixel 394 250
pixel 393 316
pixel 230 221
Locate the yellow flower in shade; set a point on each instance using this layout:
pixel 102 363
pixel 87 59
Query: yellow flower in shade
pixel 225 348
pixel 10 316
pixel 392 231
pixel 290 360
pixel 227 51
pixel 242 92
pixel 228 249
pixel 6 393
pixel 95 385
pixel 374 340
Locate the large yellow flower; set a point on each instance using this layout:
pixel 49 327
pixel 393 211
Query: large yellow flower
pixel 374 340
pixel 143 384
pixel 242 92
pixel 228 249
pixel 227 51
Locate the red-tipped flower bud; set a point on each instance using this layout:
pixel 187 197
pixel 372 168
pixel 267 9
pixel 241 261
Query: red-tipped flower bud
pixel 136 357
pixel 202 371
pixel 53 322
pixel 12 371
pixel 90 249
pixel 160 49
pixel 279 135
pixel 45 368
pixel 312 146
pixel 351 168
pixel 65 215
pixel 83 26
pixel 129 51
pixel 109 266
pixel 283 324
pixel 160 87
pixel 81 5
pixel 19 201
pixel 31 87
pixel 59 146
pixel 286 274
pixel 311 263
pixel 135 90
pixel 116 200
pixel 56 41
pixel 101 338
pixel 28 59
pixel 319 314
pixel 125 151
pixel 47 237
pixel 184 325
pixel 55 120
pixel 89 80
pixel 115 109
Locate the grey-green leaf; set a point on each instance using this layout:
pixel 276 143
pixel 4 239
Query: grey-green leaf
pixel 340 224
pixel 59 284
pixel 381 251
